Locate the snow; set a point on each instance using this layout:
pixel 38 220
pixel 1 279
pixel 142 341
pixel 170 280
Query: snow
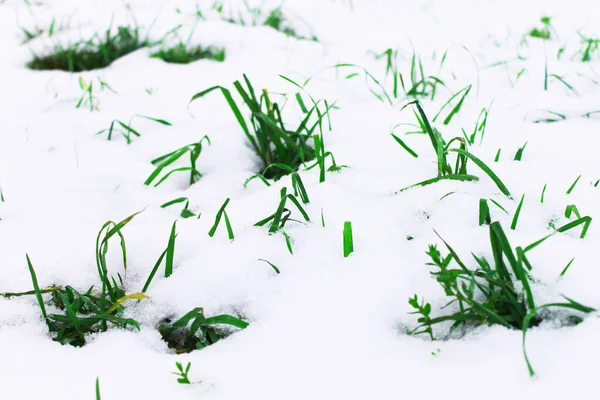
pixel 327 326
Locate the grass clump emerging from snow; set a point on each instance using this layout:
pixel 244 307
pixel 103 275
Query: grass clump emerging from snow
pixel 183 54
pixel 280 149
pixel 98 52
pixel 194 331
pixel 496 293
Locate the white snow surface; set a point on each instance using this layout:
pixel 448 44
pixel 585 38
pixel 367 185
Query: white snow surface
pixel 326 327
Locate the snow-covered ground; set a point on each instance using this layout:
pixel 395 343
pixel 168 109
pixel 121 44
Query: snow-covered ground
pixel 326 327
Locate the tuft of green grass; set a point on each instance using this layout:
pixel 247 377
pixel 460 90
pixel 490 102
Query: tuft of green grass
pixel 185 212
pixel 194 150
pixel 126 129
pixel 194 331
pixel 183 54
pixel 442 149
pixel 496 293
pixel 80 314
pixel 272 142
pixel 97 52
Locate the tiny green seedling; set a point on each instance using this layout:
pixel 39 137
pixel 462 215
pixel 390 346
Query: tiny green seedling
pixel 162 162
pixel 573 185
pixel 182 373
pixel 546 31
pixel 185 212
pixel 515 219
pixel 519 153
pixel 169 253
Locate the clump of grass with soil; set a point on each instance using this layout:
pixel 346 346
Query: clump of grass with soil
pixel 97 52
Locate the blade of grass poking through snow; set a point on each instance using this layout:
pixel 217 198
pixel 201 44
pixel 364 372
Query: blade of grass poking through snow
pixel 484 213
pixel 154 270
pixel 36 288
pixel 515 219
pixel 272 265
pixel 519 153
pixel 288 242
pixel 497 158
pixel 170 251
pixel 564 271
pixel 485 169
pixel 543 194
pixel 456 177
pixel 322 218
pixel 98 389
pixel 494 202
pixel 571 304
pixel 222 213
pixel 464 92
pixel 573 185
pixel 134 296
pixel 348 239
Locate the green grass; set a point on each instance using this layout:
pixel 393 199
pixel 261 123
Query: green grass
pixel 272 142
pixel 194 331
pixel 79 314
pixel 443 150
pixel 194 150
pixel 97 52
pixel 126 129
pixel 182 373
pixel 348 239
pixel 281 216
pixel 222 214
pixel 496 293
pixel 185 211
pixel 590 48
pixel 184 54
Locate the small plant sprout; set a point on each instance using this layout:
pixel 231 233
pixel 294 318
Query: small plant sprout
pixel 271 141
pixel 281 216
pixel 443 150
pixel 546 31
pixel 589 47
pixel 497 158
pixel 480 126
pixel 493 293
pixel 162 162
pixel 182 373
pixel 277 271
pixel 222 214
pixel 564 271
pixel 87 98
pixel 348 239
pixel 194 331
pixel 126 130
pixel 185 212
